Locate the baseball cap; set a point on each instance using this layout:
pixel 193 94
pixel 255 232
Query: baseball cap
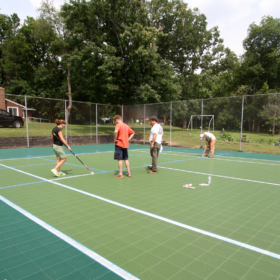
pixel 201 135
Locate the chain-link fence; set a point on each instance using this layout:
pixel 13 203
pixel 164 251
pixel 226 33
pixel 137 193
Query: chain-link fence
pixel 240 123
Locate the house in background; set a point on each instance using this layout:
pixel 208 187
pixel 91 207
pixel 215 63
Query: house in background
pixel 15 108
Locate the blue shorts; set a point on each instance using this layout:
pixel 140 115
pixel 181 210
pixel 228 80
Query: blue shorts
pixel 120 153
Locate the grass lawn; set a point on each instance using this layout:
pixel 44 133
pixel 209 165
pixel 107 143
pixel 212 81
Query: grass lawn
pixel 257 142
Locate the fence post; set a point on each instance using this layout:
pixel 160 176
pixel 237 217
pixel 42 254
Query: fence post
pixel 96 118
pixel 144 122
pixel 241 123
pixel 90 123
pixel 26 117
pixel 201 127
pixel 65 109
pixel 170 122
pixel 122 112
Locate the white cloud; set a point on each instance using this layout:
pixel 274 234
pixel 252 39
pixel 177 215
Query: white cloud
pixel 269 6
pixel 201 4
pixel 233 17
pixel 35 3
pixel 57 3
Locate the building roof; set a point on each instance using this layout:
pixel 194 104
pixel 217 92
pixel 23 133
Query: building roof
pixel 23 107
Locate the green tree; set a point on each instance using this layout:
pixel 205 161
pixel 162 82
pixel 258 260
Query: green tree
pixel 271 112
pixel 262 57
pixel 185 42
pixel 121 58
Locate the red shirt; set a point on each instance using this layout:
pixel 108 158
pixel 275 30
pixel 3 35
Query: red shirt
pixel 124 131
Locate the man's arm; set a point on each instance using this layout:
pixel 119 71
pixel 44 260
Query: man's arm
pixel 154 140
pixel 115 136
pixel 131 133
pixel 130 136
pixel 63 140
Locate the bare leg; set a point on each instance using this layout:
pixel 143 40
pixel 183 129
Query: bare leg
pixel 59 163
pixel 127 165
pixel 212 148
pixel 120 167
pixel 207 148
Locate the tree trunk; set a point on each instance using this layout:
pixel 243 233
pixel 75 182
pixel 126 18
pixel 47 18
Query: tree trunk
pixel 249 125
pixel 273 125
pixel 189 86
pixel 258 126
pixel 184 126
pixel 273 128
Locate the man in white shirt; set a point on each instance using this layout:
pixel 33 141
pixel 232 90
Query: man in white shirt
pixel 210 143
pixel 155 140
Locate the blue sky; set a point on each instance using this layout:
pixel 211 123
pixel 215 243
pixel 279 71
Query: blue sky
pixel 233 17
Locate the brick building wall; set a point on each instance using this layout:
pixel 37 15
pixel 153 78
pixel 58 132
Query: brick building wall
pixel 11 104
pixel 2 98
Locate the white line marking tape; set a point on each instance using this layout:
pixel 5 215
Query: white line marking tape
pixel 221 176
pixel 114 268
pixel 216 236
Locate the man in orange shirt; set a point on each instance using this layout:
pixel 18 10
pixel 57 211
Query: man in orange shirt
pixel 122 134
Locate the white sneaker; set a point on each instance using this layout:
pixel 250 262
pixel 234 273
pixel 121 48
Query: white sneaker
pixel 54 171
pixel 61 173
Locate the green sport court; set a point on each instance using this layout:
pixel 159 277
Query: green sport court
pixel 84 226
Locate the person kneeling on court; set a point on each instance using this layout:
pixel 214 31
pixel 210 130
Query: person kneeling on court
pixel 210 143
pixel 58 141
pixel 122 135
pixel 155 140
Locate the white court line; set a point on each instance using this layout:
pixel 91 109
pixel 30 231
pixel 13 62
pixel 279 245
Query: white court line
pixel 169 153
pixel 70 177
pixel 221 176
pixel 227 156
pixel 111 266
pixel 215 158
pixel 193 155
pixel 264 163
pixel 213 235
pixel 247 161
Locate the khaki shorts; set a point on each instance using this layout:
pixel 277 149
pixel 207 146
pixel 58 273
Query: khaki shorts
pixel 59 152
